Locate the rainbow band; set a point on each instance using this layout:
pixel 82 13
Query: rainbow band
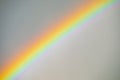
pixel 76 19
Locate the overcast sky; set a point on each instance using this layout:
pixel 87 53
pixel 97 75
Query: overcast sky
pixel 90 54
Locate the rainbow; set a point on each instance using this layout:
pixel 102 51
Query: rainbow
pixel 76 19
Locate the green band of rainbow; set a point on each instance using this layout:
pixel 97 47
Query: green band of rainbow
pixel 77 19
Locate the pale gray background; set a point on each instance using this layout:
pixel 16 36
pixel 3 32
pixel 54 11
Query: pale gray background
pixel 91 54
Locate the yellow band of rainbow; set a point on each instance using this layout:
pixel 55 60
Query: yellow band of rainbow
pixel 71 22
